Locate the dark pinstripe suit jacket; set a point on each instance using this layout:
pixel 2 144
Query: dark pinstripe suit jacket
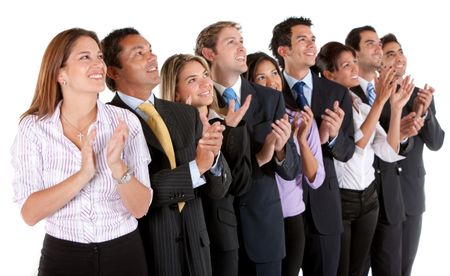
pixel 163 227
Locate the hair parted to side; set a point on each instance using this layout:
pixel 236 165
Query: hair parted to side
pixel 282 33
pixel 327 58
pixel 388 38
pixel 253 60
pixel 170 72
pixel 207 38
pixel 354 36
pixel 111 49
pixel 48 91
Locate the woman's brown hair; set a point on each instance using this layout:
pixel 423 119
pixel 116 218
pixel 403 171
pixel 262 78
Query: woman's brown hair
pixel 48 91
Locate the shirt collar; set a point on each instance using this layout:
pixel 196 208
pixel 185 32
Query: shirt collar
pixel 291 81
pixel 101 114
pixel 236 87
pixel 134 102
pixel 364 83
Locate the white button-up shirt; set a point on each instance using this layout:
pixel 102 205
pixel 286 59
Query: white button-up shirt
pixel 43 157
pixel 358 172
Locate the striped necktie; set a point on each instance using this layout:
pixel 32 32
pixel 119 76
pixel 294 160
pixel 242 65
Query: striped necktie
pixel 229 95
pixel 371 95
pixel 301 99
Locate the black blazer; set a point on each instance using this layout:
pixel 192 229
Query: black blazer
pixel 166 233
pixel 219 213
pixel 387 175
pixel 325 201
pixel 412 178
pixel 259 209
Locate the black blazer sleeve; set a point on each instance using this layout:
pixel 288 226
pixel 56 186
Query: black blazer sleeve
pixel 431 132
pixel 236 150
pixel 217 186
pixel 290 167
pixel 344 146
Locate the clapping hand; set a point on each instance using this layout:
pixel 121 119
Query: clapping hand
pixel 234 117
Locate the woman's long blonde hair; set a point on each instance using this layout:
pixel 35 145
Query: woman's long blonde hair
pixel 170 72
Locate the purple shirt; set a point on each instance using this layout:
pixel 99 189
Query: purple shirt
pixel 291 192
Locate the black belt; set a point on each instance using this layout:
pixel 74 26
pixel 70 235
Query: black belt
pixel 367 191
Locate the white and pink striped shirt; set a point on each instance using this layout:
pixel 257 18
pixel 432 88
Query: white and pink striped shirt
pixel 43 157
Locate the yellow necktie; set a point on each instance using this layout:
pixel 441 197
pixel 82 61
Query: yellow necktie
pixel 159 128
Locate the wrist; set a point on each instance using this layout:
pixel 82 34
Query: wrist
pixel 118 170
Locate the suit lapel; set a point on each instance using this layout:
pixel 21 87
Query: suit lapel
pixel 151 139
pixel 246 90
pixel 360 93
pixel 288 97
pixel 316 94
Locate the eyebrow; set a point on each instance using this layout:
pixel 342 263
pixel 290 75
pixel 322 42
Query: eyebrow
pixel 195 75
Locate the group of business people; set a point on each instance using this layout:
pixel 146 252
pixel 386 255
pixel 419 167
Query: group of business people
pixel 240 168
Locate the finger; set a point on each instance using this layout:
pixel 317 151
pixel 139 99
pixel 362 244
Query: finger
pixel 204 121
pixel 189 100
pixel 335 105
pixel 246 104
pixel 309 111
pixel 231 107
pixel 91 137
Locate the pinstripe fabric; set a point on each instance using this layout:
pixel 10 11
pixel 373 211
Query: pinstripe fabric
pixel 174 242
pixel 43 157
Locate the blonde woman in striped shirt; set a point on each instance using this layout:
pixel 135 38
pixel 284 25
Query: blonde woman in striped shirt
pixel 81 165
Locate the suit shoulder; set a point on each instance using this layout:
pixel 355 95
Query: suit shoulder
pixel 269 92
pixel 332 85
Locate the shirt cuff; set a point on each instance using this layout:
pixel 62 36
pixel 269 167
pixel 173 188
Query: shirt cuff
pixel 278 162
pixel 197 179
pixel 217 167
pixel 332 142
pixel 404 141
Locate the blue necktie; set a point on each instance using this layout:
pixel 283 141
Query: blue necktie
pixel 371 95
pixel 301 99
pixel 229 94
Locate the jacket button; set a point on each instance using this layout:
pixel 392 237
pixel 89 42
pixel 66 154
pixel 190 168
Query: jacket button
pixel 378 171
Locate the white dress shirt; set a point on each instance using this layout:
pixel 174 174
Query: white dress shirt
pixel 42 156
pixel 358 172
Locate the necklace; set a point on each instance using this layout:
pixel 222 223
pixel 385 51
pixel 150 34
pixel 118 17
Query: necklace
pixel 80 131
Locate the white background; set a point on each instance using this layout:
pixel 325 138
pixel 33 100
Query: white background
pixel 28 26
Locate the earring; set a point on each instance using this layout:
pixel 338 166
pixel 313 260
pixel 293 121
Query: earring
pixel 63 82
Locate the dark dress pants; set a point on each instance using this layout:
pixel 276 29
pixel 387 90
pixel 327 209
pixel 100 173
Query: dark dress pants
pixel 359 216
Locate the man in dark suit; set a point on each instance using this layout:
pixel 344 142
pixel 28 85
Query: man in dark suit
pixel 412 178
pixel 385 255
pixel 293 44
pixel 260 218
pixel 173 231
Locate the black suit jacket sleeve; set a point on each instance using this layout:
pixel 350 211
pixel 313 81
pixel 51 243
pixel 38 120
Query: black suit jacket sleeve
pixel 175 185
pixel 344 146
pixel 217 186
pixel 236 150
pixel 431 132
pixel 290 167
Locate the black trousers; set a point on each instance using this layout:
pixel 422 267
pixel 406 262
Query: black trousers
pixel 119 257
pixel 321 256
pixel 386 249
pixel 248 268
pixel 294 232
pixel 411 230
pixel 359 216
pixel 224 263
